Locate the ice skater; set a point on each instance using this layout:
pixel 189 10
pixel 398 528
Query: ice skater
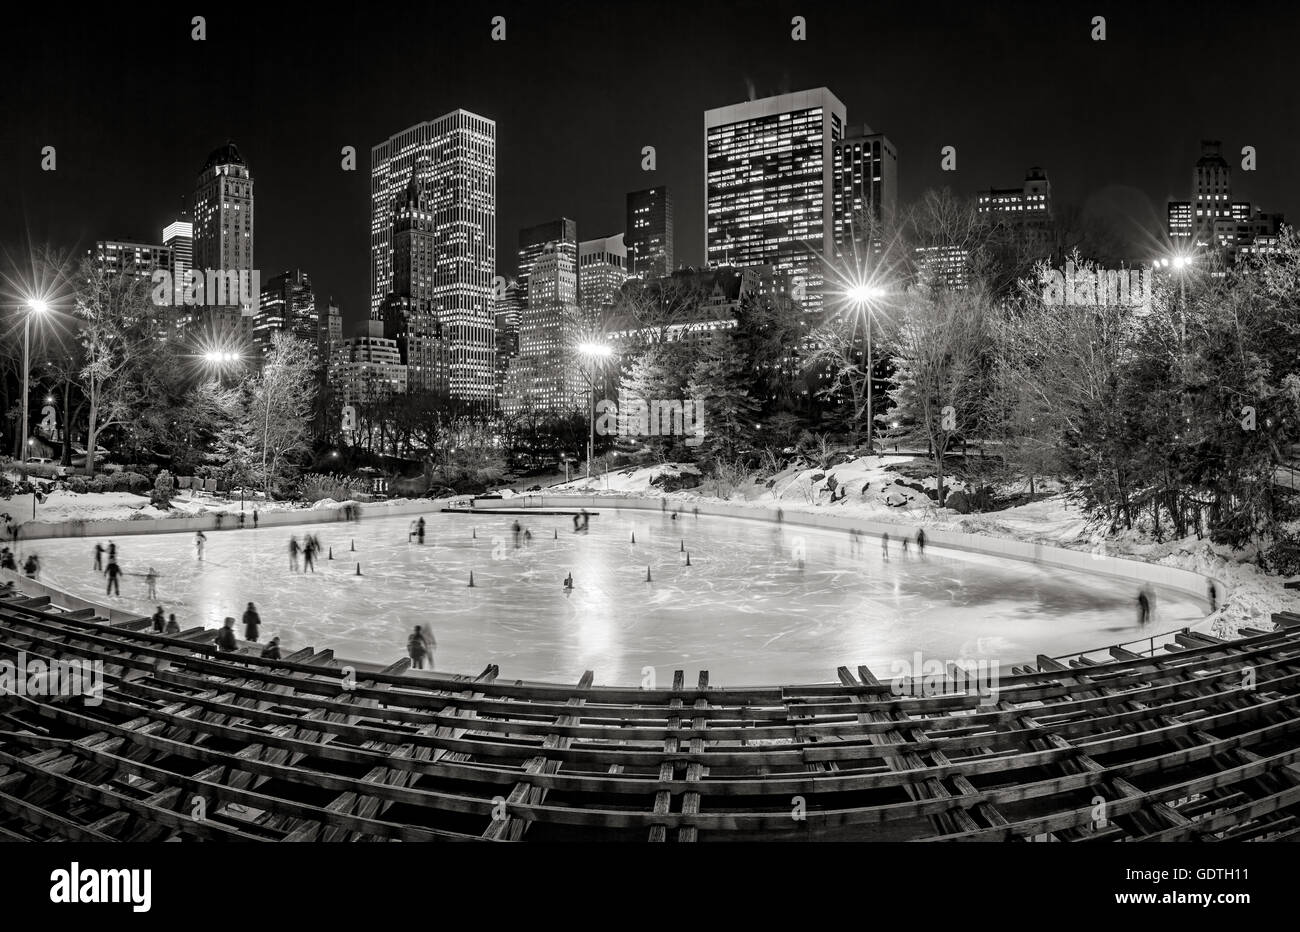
pixel 33 567
pixel 309 554
pixel 151 581
pixel 516 531
pixel 241 520
pixel 7 561
pixel 419 647
pixel 252 623
pixel 272 650
pixel 293 553
pixel 99 558
pixel 904 547
pixel 173 626
pixel 884 546
pixel 528 537
pixel 112 551
pixel 254 519
pixel 1213 595
pixel 920 541
pixel 114 574
pixel 199 540
pixel 159 622
pixel 1144 608
pixel 419 530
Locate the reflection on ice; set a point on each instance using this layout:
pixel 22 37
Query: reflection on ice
pixel 745 609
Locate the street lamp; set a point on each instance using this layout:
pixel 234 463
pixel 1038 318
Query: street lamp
pixel 595 352
pixel 34 307
pixel 863 296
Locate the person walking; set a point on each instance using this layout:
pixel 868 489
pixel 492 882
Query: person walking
pixel 114 574
pixel 199 540
pixel 293 553
pixel 252 623
pixel 151 581
pixel 309 554
pixel 159 623
pixel 99 558
pixel 173 626
pixel 226 636
pixel 419 647
pixel 272 651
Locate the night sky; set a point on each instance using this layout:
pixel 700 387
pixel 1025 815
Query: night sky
pixel 134 106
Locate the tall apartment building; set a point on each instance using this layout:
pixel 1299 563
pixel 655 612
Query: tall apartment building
pixel 768 185
pixel 368 367
pixel 287 305
pixel 454 158
pixel 1027 209
pixel 864 192
pixel 129 257
pixel 602 270
pixel 561 234
pixel 330 332
pixel 546 374
pixel 649 234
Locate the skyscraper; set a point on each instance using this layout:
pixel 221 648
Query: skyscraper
pixel 1211 192
pixel 561 233
pixel 368 367
pixel 223 214
pixel 768 167
pixel 864 191
pixel 545 375
pixel 602 270
pixel 331 330
pixel 178 236
pixel 222 230
pixel 650 232
pixel 454 157
pixel 287 304
pixel 410 311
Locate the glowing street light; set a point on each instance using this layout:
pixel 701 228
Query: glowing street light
pixel 595 352
pixel 864 295
pixel 36 307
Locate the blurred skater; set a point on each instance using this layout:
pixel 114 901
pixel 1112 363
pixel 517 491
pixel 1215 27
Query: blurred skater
pixel 173 626
pixel 226 636
pixel 1144 607
pixel 151 581
pixel 920 541
pixel 159 622
pixel 293 553
pixel 114 573
pixel 419 530
pixel 199 540
pixel 420 648
pixel 309 553
pixel 252 623
pixel 884 546
pixel 99 558
pixel 272 651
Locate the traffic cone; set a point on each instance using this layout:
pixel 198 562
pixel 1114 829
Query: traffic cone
pixel 331 553
pixel 682 549
pixel 688 558
pixel 647 574
pixel 471 579
pixel 354 545
pixel 358 569
pixel 634 537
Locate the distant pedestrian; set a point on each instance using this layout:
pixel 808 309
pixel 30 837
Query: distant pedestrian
pixel 272 651
pixel 516 531
pixel 419 529
pixel 226 636
pixel 241 520
pixel 884 545
pixel 99 558
pixel 151 581
pixel 1213 594
pixel 419 647
pixel 114 573
pixel 920 541
pixel 220 517
pixel 904 546
pixel 254 519
pixel 159 622
pixel 112 551
pixel 293 553
pixel 252 623
pixel 173 626
pixel 199 540
pixel 7 561
pixel 1144 608
pixel 528 537
pixel 33 567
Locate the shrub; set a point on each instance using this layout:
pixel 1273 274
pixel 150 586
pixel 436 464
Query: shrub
pixel 1283 557
pixel 79 485
pixel 164 488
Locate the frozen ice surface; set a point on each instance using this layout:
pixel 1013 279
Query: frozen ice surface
pixel 746 609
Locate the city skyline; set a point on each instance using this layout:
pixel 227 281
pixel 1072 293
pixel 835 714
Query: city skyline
pixel 555 162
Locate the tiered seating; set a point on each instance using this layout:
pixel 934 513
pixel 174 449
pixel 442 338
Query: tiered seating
pixel 1199 742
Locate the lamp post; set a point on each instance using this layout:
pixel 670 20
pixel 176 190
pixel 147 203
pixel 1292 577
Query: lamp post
pixel 863 296
pixel 595 352
pixel 35 306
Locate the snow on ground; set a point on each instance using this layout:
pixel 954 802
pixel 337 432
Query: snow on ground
pixel 878 492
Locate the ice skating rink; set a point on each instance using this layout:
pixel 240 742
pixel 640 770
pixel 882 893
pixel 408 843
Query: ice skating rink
pixel 747 609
